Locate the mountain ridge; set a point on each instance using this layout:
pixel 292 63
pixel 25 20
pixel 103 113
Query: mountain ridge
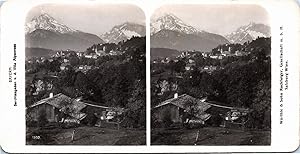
pixel 123 32
pixel 171 22
pixel 171 32
pixel 157 53
pixel 47 22
pixel 248 33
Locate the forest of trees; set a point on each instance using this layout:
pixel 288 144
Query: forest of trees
pixel 116 81
pixel 242 82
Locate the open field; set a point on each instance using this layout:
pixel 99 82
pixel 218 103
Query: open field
pixel 210 136
pixel 85 136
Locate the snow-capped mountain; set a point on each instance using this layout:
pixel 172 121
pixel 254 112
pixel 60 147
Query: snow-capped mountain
pixel 123 32
pixel 171 22
pixel 46 22
pixel 248 33
pixel 168 31
pixel 44 31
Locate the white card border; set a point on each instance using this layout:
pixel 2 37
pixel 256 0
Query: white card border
pixel 284 138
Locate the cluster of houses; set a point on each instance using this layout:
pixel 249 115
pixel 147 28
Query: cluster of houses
pixel 64 55
pixel 227 53
pixel 103 51
pixel 222 52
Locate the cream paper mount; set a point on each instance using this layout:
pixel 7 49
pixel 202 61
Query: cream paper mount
pixel 149 76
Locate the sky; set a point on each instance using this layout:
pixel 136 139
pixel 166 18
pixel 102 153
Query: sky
pixel 96 19
pixel 100 18
pixel 219 19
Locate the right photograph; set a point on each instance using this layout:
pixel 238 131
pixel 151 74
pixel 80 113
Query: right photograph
pixel 210 75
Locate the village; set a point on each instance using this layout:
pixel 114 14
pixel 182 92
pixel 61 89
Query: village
pixel 66 57
pixel 63 99
pixel 200 98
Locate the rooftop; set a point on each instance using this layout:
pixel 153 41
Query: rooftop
pixel 65 104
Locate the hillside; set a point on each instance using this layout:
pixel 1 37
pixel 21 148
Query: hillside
pixel 38 52
pixel 157 53
pixel 180 41
pixel 168 31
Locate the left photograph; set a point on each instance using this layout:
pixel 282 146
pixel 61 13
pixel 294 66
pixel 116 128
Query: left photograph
pixel 85 75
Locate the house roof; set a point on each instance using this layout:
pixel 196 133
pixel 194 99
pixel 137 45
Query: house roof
pixel 215 104
pixel 89 103
pixel 186 101
pixel 65 104
pixel 200 105
pixel 239 109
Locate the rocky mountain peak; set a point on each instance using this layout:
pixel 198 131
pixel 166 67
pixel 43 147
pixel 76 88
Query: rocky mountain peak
pixel 169 21
pixel 47 22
